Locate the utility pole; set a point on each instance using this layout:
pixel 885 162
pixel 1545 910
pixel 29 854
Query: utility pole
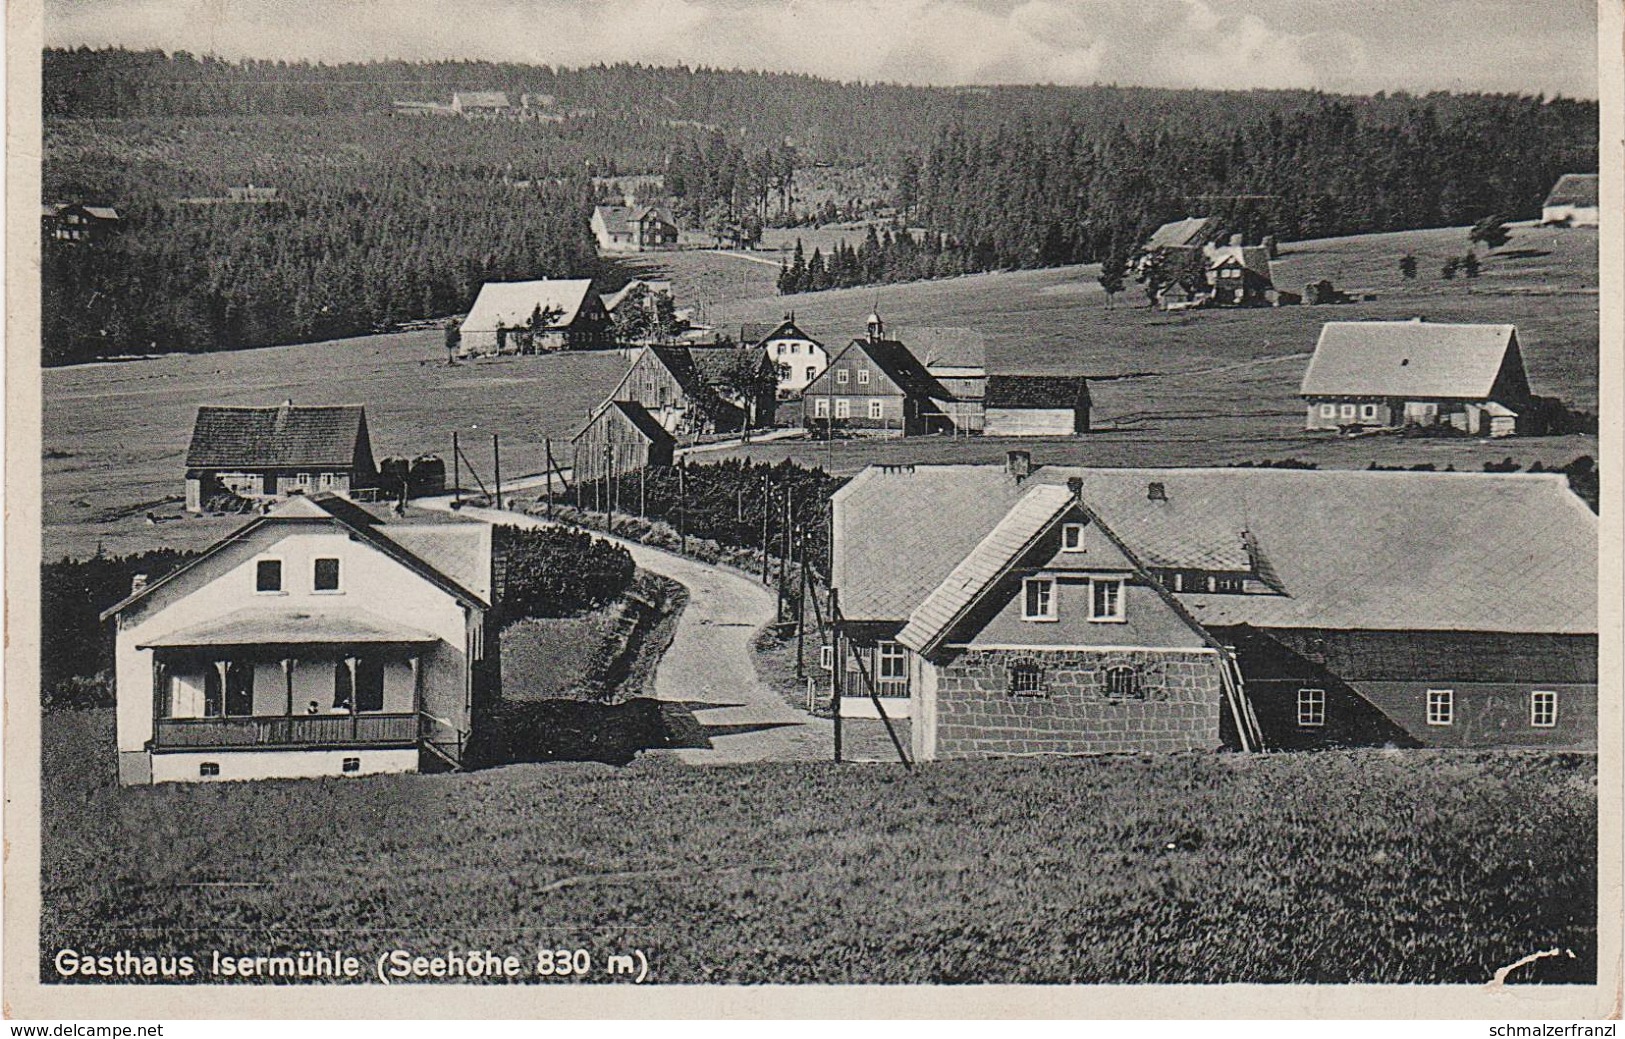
pixel 767 509
pixel 548 443
pixel 608 481
pixel 784 555
pixel 456 473
pixel 838 659
pixel 682 507
pixel 643 490
pixel 801 608
pixel 496 464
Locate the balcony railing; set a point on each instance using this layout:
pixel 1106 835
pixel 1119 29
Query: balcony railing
pixel 319 730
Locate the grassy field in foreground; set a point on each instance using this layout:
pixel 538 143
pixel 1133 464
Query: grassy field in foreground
pixel 1338 867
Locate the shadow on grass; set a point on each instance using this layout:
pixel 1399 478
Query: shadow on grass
pixel 610 734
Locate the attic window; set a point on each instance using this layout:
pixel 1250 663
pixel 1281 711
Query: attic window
pixel 1072 537
pixel 268 575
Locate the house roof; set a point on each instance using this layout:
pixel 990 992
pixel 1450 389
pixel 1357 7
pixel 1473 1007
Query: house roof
pixel 511 303
pixel 1029 517
pixel 480 99
pixel 259 626
pixel 946 347
pixel 644 212
pixel 1036 391
pixel 711 362
pixel 1254 258
pixel 897 363
pixel 102 212
pixel 286 436
pixel 454 556
pixel 758 333
pixel 1403 551
pixel 1407 359
pixel 615 298
pixel 635 413
pixel 1193 231
pixel 623 217
pixel 1574 189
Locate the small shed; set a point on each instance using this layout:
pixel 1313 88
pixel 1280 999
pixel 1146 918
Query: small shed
pixel 620 437
pixel 1037 405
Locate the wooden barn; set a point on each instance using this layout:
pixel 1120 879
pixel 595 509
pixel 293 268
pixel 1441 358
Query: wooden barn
pixel 1036 405
pixel 1014 609
pixel 672 386
pixel 1387 374
pixel 1572 202
pixel 270 453
pixel 522 317
pixel 620 437
pixel 876 384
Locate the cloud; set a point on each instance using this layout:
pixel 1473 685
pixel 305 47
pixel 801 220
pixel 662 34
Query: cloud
pixel 1339 45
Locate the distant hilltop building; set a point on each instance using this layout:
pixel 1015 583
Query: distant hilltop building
pixel 473 104
pixel 1573 201
pixel 266 454
pixel 1388 374
pixel 633 228
pixel 77 223
pixel 487 104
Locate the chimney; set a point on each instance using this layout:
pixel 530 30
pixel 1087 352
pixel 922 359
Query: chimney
pixel 138 584
pixel 1074 486
pixel 1155 491
pixel 1019 464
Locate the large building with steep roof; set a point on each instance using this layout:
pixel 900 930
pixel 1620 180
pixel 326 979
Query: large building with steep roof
pixel 1059 609
pixel 270 453
pixel 633 228
pixel 316 640
pixel 878 384
pixel 516 317
pixel 1387 374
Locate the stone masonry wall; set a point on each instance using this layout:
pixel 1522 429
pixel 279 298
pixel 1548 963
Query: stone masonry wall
pixel 978 715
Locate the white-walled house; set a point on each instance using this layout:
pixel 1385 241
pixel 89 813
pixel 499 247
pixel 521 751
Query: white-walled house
pixel 798 356
pixel 316 640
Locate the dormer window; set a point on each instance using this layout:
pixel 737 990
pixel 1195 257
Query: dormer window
pixel 1106 599
pixel 1038 599
pixel 1072 537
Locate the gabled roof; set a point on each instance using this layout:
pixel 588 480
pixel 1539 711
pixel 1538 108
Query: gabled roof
pixel 1412 359
pixel 511 303
pixel 1037 391
pixel 896 362
pixel 621 218
pixel 1254 258
pixel 635 413
pixel 661 213
pixel 758 333
pixel 614 299
pixel 455 557
pixel 1574 189
pixel 711 362
pixel 1193 231
pixel 287 436
pixel 1031 515
pixel 102 212
pixel 1349 550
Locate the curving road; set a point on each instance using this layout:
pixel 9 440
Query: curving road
pixel 722 713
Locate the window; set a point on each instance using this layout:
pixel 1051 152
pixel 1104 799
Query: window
pixel 208 768
pixel 239 698
pixel 327 575
pixel 843 408
pixel 1543 709
pixel 840 375
pixel 1328 411
pixel 328 479
pixel 1026 678
pixel 1123 683
pixel 1368 412
pixel 1441 706
pixel 1105 599
pixel 891 669
pixel 812 373
pixel 351 765
pixel 1348 411
pixel 795 348
pixel 1072 537
pixel 863 376
pixel 821 407
pixel 1038 599
pixel 268 575
pixel 1229 584
pixel 826 657
pixel 877 408
pixel 1311 708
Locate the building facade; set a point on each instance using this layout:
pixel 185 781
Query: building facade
pixel 314 641
pixel 270 453
pixel 1389 374
pixel 796 356
pixel 875 384
pixel 1073 610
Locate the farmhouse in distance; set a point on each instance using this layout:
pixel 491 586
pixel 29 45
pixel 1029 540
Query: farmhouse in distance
pixel 526 317
pixel 1389 374
pixel 633 228
pixel 266 454
pixel 1572 202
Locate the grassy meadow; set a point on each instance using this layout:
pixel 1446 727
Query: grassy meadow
pixel 1338 867
pixel 1204 387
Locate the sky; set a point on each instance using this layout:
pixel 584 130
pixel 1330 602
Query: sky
pixel 1345 46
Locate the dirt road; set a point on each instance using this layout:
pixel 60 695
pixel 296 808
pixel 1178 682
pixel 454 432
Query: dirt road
pixel 721 712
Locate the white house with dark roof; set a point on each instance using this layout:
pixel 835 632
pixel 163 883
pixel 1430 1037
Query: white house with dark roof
pixel 1572 201
pixel 511 317
pixel 1387 374
pixel 316 640
pixel 633 228
pixel 797 356
pixel 1059 609
pixel 269 453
